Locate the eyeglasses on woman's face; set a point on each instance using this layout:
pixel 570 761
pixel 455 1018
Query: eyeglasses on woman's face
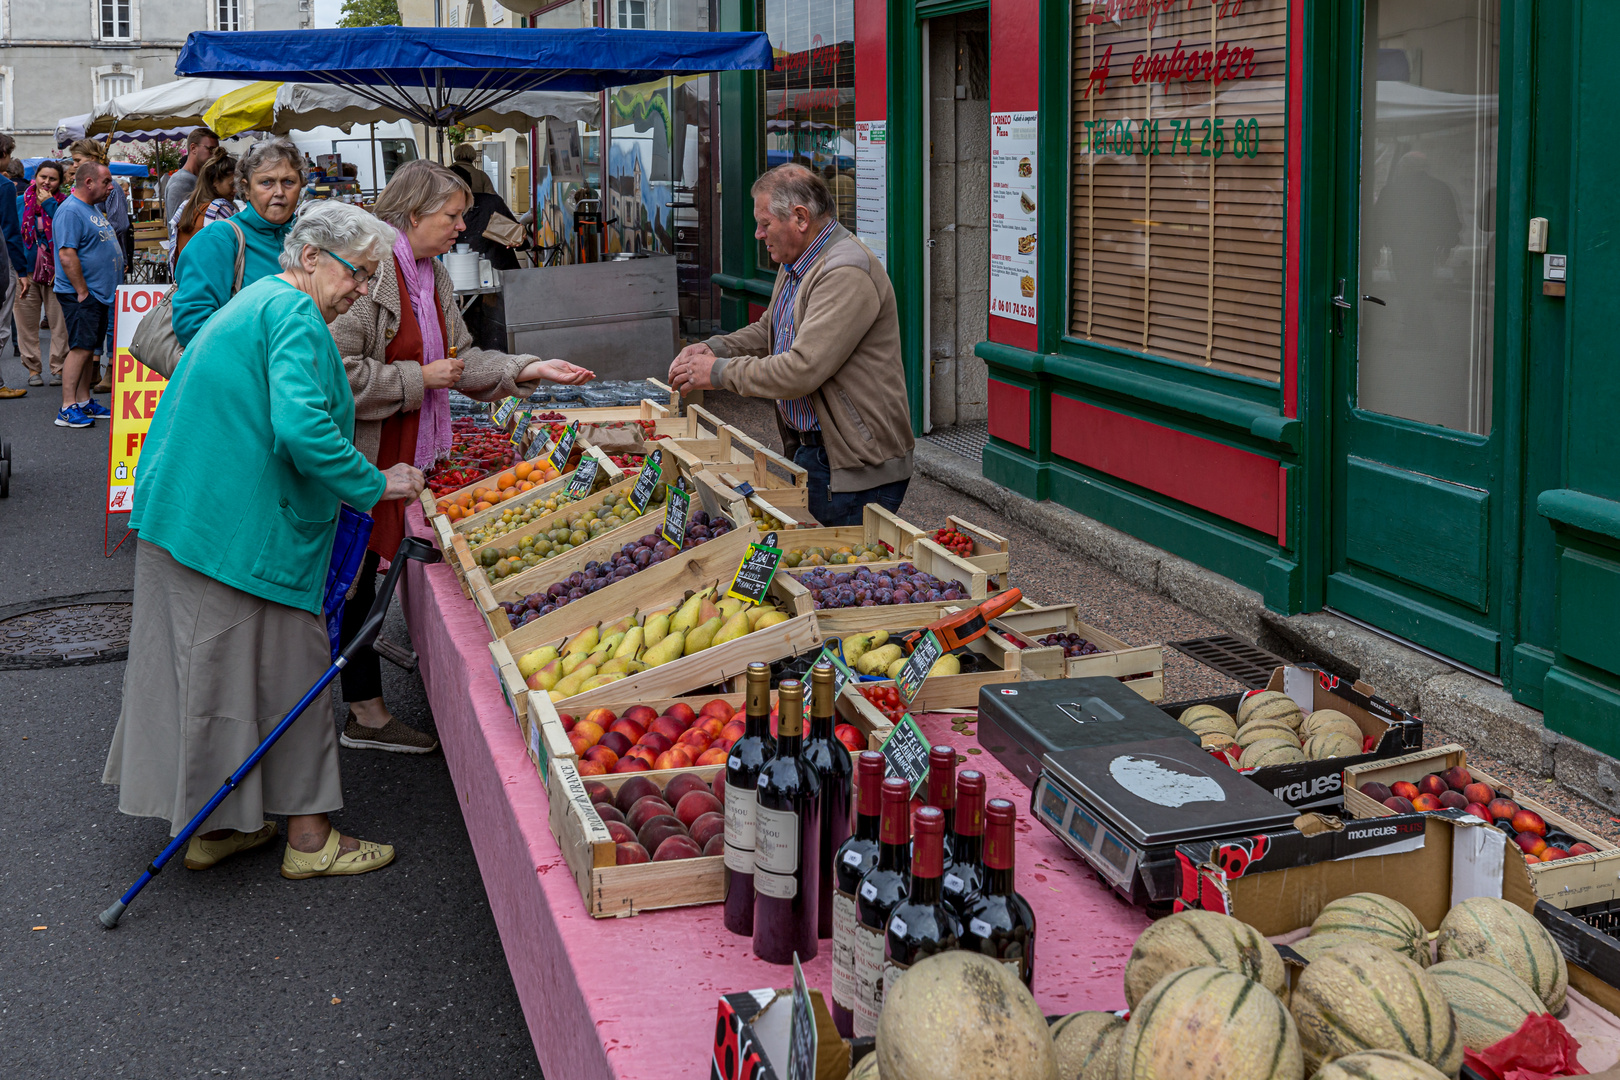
pixel 360 276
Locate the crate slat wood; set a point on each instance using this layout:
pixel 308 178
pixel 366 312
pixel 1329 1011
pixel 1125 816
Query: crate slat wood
pixel 950 691
pixel 789 506
pixel 609 890
pixel 992 553
pixel 878 525
pixel 1140 667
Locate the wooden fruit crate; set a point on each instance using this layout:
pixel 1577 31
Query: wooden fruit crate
pixel 926 556
pixel 1139 667
pixel 720 447
pixel 608 473
pixel 991 551
pixel 878 525
pixel 1574 882
pixel 468 554
pixel 610 890
pixel 704 563
pixel 999 657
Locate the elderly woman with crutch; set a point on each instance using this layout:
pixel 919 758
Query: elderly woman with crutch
pixel 249 458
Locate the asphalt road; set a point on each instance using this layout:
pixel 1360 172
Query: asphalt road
pixel 232 971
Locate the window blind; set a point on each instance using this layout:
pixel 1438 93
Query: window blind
pixel 1178 184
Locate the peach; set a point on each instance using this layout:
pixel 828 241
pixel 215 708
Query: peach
pixel 719 707
pixel 625 854
pixel 682 712
pixel 733 730
pixel 1530 843
pixel 1453 800
pixel 1581 847
pixel 718 785
pixel 1433 784
pixel 608 812
pixel 677 847
pixel 592 768
pixel 667 726
pixel 616 741
pixel 1502 809
pixel 694 804
pixel 593 732
pixel 1480 793
pixel 698 741
pixel 632 763
pixel 716 845
pixel 677 789
pixel 674 758
pixel 602 718
pixel 568 721
pixel 855 742
pixel 602 756
pixel 714 755
pixel 621 833
pixel 1404 789
pixel 723 743
pixel 598 791
pixel 656 741
pixel 709 724
pixel 1399 804
pixel 708 825
pixel 1478 810
pixel 658 830
pixel 1457 778
pixel 628 728
pixel 1375 791
pixel 1426 803
pixel 1529 821
pixel 641 753
pixel 633 791
pixel 645 810
pixel 640 714
pixel 1553 854
pixel 579 742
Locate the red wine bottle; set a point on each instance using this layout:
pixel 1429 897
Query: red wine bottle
pixel 881 889
pixel 787 840
pixel 999 922
pixel 965 876
pixel 923 923
pixel 748 756
pixel 850 863
pixel 830 759
pixel 942 793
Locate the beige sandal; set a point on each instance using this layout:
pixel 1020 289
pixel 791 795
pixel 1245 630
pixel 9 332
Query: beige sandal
pixel 329 862
pixel 201 854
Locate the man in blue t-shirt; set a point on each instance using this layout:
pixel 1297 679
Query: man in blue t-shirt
pixel 89 268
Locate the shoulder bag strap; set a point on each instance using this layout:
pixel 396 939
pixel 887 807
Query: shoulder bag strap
pixel 241 255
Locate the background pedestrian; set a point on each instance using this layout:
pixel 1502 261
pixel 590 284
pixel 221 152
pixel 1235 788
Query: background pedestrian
pixel 12 278
pixel 89 267
pixel 37 207
pixel 213 199
pixel 200 146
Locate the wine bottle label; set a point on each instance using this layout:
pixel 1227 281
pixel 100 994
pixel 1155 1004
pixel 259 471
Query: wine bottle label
pixel 954 883
pixel 892 970
pixel 780 886
pixel 980 928
pixel 776 840
pixel 844 924
pixel 897 925
pixel 740 803
pixel 868 979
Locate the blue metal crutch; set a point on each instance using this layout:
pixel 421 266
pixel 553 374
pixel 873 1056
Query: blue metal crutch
pixel 409 548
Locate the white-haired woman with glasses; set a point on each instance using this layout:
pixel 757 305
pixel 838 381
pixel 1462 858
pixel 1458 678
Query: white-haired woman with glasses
pixel 396 344
pixel 250 454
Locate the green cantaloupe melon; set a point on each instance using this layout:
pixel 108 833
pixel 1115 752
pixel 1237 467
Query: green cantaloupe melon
pixel 1087 1045
pixel 963 1016
pixel 1207 719
pixel 1378 1065
pixel 1331 744
pixel 1215 741
pixel 1366 997
pixel 1489 1002
pixel 1265 729
pixel 1314 946
pixel 1484 928
pixel 1326 719
pixel 1207 1023
pixel 1378 919
pixel 866 1070
pixel 1270 705
pixel 1270 752
pixel 1200 939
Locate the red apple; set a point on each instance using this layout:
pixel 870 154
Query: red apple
pixel 1480 793
pixel 718 785
pixel 1426 803
pixel 656 741
pixel 608 812
pixel 1478 810
pixel 1433 784
pixel 718 707
pixel 1528 821
pixel 1404 789
pixel 851 737
pixel 675 757
pixel 1399 804
pixel 716 844
pixel 633 791
pixel 682 712
pixel 678 788
pixel 1553 854
pixel 677 847
pixel 616 741
pixel 708 825
pixel 567 721
pixel 714 755
pixel 641 714
pixel 591 768
pixel 624 854
pixel 694 804
pixel 646 809
pixel 1457 778
pixel 1581 847
pixel 667 726
pixel 1453 800
pixel 621 833
pixel 1530 843
pixel 602 756
pixel 658 830
pixel 628 728
pixel 597 791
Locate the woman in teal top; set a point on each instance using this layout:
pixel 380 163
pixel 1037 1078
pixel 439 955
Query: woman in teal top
pixel 268 177
pixel 250 454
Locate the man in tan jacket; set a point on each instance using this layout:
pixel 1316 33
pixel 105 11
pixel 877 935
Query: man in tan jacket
pixel 827 349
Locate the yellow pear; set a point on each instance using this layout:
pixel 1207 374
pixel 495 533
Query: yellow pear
pixel 880 638
pixel 874 661
pixel 570 686
pixel 624 665
pixel 609 643
pixel 733 628
pixel 666 650
pixel 895 668
pixel 646 617
pixel 531 662
pixel 702 637
pixel 755 614
pixel 573 662
pixel 686 617
pixel 619 627
pixel 656 629
pixel 583 642
pixel 547 676
pixel 731 605
pixel 600 680
pixel 855 647
pixel 771 618
pixel 631 645
pixel 707 610
pixel 949 664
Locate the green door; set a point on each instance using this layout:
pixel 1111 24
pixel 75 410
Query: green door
pixel 1415 458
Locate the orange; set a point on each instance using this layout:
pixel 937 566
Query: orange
pixel 522 470
pixel 505 480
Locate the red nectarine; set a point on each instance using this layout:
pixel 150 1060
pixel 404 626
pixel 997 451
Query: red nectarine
pixel 632 763
pixel 1531 843
pixel 678 787
pixel 621 833
pixel 718 785
pixel 677 847
pixel 591 768
pixel 683 712
pixel 602 756
pixel 667 726
pixel 593 732
pixel 675 757
pixel 851 737
pixel 579 742
pixel 625 854
pixel 602 718
pixel 1433 784
pixel 633 791
pixel 1457 777
pixel 1426 803
pixel 1529 821
pixel 608 812
pixel 708 825
pixel 1502 809
pixel 1453 800
pixel 656 741
pixel 711 725
pixel 716 844
pixel 716 754
pixel 1480 793
pixel 567 720
pixel 718 707
pixel 616 741
pixel 628 728
pixel 597 791
pixel 1581 847
pixel 1398 804
pixel 694 804
pixel 658 830
pixel 641 714
pixel 1478 810
pixel 646 809
pixel 733 730
pixel 1404 789
pixel 1375 791
pixel 1553 854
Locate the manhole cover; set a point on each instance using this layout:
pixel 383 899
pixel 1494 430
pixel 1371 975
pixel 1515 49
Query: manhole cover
pixel 89 629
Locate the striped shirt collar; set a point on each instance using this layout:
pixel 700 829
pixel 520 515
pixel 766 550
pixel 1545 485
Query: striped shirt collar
pixel 801 266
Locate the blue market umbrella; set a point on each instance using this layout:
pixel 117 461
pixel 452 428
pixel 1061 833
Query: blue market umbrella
pixel 438 76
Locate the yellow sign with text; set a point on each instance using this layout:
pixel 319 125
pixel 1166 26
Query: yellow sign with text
pixel 136 390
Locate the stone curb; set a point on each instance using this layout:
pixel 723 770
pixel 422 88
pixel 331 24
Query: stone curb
pixel 1459 706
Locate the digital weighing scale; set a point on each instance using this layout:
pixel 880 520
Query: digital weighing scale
pixel 1125 807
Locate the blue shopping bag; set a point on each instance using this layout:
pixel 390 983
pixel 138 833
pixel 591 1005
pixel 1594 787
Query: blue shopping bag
pixel 348 553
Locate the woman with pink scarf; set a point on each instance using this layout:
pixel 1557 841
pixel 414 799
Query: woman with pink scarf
pixel 395 343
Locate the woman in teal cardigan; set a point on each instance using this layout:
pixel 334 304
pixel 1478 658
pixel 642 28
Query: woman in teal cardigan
pixel 250 454
pixel 268 177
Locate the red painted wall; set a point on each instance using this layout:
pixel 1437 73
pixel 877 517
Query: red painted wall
pixel 1224 480
pixel 871 60
pixel 1009 413
pixel 1015 43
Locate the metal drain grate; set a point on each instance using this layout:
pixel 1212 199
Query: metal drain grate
pixel 1233 657
pixel 967 440
pixel 90 628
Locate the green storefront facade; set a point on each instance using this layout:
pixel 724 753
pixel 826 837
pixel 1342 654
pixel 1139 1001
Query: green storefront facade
pixel 1317 296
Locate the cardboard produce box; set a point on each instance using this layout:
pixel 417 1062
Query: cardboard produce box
pixel 1575 882
pixel 1317 785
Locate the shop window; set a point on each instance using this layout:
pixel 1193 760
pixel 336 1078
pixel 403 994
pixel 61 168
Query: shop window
pixel 810 96
pixel 228 14
pixel 1178 181
pixel 632 14
pixel 115 20
pixel 110 86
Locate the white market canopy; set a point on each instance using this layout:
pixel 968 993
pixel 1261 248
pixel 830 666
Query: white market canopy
pixel 306 105
pixel 176 104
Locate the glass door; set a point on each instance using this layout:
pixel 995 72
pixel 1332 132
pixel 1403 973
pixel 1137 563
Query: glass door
pixel 1414 459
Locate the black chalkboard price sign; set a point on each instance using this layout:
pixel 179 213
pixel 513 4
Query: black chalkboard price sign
pixel 906 752
pixel 564 449
pixel 647 482
pixel 584 478
pixel 501 412
pixel 520 430
pixel 756 571
pixel 677 512
pixel 922 659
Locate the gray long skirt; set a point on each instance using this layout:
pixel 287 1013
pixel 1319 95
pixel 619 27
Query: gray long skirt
pixel 211 672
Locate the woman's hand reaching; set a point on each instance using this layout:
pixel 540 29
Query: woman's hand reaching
pixel 442 374
pixel 404 482
pixel 557 371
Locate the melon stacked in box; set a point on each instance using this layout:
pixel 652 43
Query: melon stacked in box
pixel 1271 729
